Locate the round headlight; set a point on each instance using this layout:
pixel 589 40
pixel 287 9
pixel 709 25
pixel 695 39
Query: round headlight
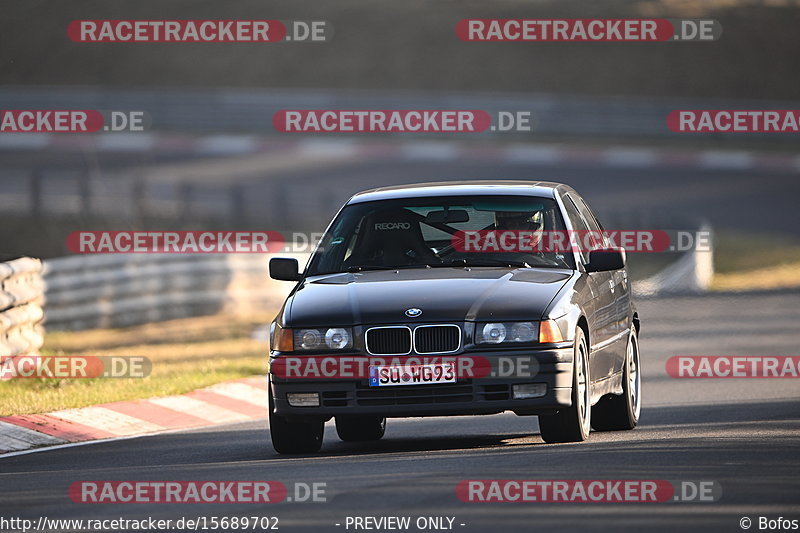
pixel 337 338
pixel 310 339
pixel 523 332
pixel 494 333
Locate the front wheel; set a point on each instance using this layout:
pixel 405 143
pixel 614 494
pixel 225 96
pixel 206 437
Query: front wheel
pixel 360 428
pixel 622 412
pixel 573 423
pixel 293 437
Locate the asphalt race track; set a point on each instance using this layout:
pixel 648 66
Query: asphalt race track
pixel 740 433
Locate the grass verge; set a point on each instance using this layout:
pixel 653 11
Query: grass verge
pixel 186 354
pixel 755 262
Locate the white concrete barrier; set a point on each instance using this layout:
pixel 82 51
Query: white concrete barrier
pixel 21 299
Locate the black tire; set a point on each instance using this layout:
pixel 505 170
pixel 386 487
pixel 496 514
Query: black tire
pixel 573 423
pixel 360 428
pixel 293 437
pixel 615 412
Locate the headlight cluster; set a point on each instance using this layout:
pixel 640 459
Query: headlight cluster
pixel 322 339
pixel 506 332
pixel 310 339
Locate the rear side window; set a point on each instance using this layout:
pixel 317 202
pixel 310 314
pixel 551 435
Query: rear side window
pixel 574 215
pixel 582 220
pixel 588 214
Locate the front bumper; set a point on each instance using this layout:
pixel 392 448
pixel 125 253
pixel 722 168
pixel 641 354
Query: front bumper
pixel 474 396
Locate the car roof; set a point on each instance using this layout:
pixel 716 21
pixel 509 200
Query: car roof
pixel 547 189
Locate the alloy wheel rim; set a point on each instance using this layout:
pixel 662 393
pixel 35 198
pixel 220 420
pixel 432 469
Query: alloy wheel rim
pixel 583 389
pixel 634 378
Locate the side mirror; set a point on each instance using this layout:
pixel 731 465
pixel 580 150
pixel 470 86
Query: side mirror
pixel 284 269
pixel 606 260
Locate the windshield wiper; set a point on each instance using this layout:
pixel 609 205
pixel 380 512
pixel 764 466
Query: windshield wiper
pixel 482 263
pixel 361 268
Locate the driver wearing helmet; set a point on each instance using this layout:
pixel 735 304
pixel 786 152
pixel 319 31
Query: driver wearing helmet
pixel 527 225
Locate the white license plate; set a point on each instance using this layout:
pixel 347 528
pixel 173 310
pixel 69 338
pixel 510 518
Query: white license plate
pixel 427 374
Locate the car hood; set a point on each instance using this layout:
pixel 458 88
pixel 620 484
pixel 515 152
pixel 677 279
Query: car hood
pixel 443 294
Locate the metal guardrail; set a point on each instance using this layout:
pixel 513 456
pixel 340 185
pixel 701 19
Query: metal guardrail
pixel 21 300
pixel 102 291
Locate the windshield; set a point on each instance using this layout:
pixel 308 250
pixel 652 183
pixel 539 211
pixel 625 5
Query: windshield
pixel 425 233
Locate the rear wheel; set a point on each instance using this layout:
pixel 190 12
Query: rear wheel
pixel 622 412
pixel 293 437
pixel 360 428
pixel 573 423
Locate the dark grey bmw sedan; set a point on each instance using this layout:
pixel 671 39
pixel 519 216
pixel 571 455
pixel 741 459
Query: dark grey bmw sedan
pixel 456 298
